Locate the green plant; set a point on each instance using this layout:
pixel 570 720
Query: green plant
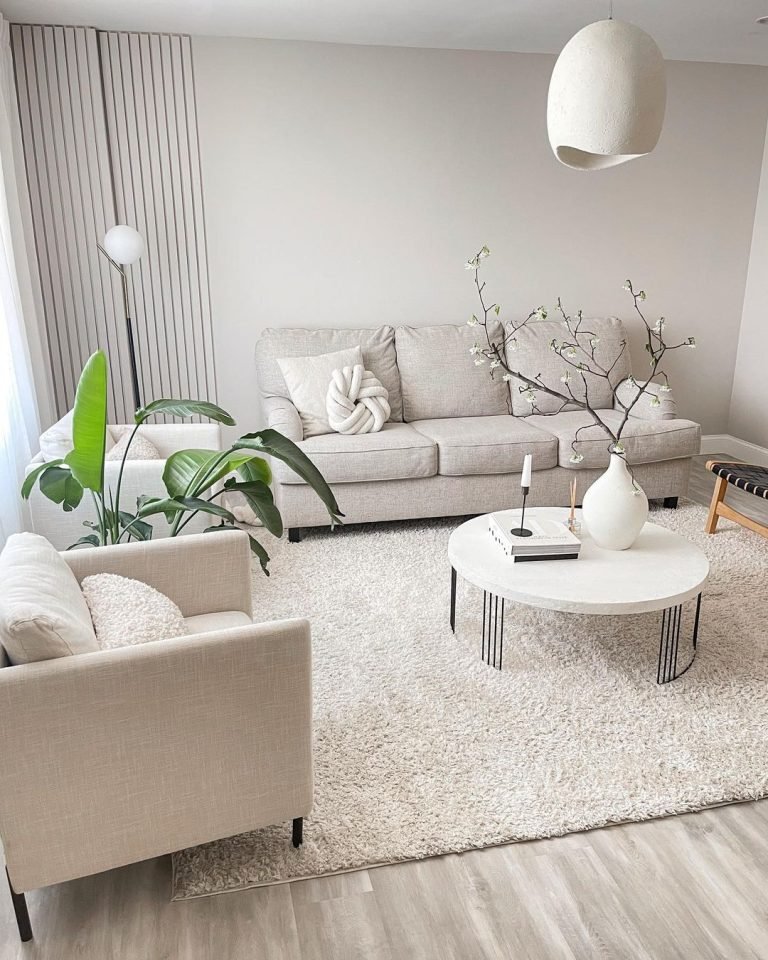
pixel 193 479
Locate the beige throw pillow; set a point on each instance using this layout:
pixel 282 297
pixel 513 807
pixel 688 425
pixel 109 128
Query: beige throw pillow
pixel 307 379
pixel 140 448
pixel 126 612
pixel 43 613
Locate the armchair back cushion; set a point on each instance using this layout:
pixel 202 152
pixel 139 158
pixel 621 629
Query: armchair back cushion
pixel 438 377
pixel 378 346
pixel 533 356
pixel 43 614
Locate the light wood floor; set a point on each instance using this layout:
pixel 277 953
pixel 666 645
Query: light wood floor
pixel 693 887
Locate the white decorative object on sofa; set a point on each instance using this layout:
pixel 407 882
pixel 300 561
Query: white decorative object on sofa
pixel 139 477
pixel 141 447
pixel 307 379
pixel 615 508
pixel 125 611
pixel 356 401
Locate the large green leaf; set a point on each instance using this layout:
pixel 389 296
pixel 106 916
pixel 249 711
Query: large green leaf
pixel 259 498
pixel 185 408
pixel 60 486
pixel 136 529
pixel 276 445
pixel 89 424
pixel 182 467
pixel 91 540
pixel 151 506
pixel 31 477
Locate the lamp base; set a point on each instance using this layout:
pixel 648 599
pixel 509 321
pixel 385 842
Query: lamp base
pixel 521 532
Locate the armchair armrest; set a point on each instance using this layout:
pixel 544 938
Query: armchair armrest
pixel 282 415
pixel 626 392
pixel 170 437
pixel 121 755
pixel 201 573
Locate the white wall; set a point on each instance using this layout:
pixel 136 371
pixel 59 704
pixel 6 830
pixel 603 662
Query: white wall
pixel 346 186
pixel 749 400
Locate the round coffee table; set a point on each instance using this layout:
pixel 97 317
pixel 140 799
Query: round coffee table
pixel 661 571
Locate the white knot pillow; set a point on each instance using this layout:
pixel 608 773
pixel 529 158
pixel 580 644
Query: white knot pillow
pixel 357 401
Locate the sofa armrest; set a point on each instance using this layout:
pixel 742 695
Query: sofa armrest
pixel 201 573
pixel 170 437
pixel 644 409
pixel 121 755
pixel 282 415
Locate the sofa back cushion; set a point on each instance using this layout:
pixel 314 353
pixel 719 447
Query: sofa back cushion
pixel 438 377
pixel 378 346
pixel 43 613
pixel 533 356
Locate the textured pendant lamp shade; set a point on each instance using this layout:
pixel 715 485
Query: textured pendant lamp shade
pixel 606 97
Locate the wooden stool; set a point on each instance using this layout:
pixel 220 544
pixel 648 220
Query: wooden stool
pixel 746 476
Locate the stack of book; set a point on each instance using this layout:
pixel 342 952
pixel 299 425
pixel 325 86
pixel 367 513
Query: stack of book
pixel 550 539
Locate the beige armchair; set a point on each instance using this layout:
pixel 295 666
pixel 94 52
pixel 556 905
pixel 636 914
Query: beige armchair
pixel 120 755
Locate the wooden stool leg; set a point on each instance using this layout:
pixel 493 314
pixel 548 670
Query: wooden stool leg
pixel 721 485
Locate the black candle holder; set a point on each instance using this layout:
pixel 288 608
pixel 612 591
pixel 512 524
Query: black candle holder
pixel 522 531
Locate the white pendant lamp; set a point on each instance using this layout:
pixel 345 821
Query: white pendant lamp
pixel 607 96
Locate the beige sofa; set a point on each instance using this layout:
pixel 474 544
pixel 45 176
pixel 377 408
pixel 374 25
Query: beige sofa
pixel 456 438
pixel 119 755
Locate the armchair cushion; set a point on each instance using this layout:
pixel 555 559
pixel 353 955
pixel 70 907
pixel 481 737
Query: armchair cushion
pixel 43 614
pixel 126 612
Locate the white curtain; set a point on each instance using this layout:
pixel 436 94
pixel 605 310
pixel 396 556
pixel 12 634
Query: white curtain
pixel 19 425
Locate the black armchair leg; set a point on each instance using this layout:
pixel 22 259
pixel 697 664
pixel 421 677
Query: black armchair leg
pixel 670 502
pixel 298 831
pixel 294 535
pixel 20 909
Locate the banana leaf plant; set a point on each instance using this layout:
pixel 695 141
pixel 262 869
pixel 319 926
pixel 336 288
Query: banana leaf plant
pixel 194 479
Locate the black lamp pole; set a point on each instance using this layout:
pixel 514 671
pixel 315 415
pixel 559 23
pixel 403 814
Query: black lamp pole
pixel 129 327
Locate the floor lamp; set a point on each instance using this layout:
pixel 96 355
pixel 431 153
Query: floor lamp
pixel 123 246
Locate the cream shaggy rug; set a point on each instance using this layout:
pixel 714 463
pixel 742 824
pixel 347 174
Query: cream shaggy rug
pixel 421 749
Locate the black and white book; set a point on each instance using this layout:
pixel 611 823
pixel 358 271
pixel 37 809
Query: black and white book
pixel 550 539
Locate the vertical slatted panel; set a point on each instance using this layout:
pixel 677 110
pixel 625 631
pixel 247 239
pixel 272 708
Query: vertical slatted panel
pixel 152 126
pixel 66 153
pixel 110 136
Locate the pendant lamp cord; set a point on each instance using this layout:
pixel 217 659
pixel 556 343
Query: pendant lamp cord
pixel 610 9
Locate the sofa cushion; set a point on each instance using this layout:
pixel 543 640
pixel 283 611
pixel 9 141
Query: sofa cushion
pixel 396 452
pixel 533 356
pixel 438 378
pixel 308 379
pixel 646 441
pixel 224 620
pixel 378 346
pixel 480 445
pixel 43 613
pixel 126 612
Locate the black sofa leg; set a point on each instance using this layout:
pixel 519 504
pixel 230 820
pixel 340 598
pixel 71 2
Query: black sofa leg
pixel 298 831
pixel 670 502
pixel 294 535
pixel 20 909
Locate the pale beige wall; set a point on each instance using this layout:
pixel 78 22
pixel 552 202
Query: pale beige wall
pixel 346 186
pixel 749 400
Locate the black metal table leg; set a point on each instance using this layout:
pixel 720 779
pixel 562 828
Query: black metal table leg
pixel 453 600
pixel 492 645
pixel 669 642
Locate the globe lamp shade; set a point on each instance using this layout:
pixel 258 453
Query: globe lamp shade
pixel 123 244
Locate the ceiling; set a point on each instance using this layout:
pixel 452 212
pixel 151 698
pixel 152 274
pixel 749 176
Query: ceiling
pixel 714 30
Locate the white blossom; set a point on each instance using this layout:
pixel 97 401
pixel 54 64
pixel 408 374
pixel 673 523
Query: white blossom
pixel 507 377
pixel 617 447
pixel 553 344
pixel 495 363
pixel 628 286
pixel 541 313
pixel 512 345
pixel 479 360
pixel 665 388
pixel 571 353
pixel 692 343
pixel 473 321
pixel 475 348
pixel 660 324
pixel 576 457
pixel 566 377
pixel 529 395
pixel 655 402
pixel 641 295
pixel 594 342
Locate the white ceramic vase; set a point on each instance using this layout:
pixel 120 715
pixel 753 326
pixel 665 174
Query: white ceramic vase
pixel 614 509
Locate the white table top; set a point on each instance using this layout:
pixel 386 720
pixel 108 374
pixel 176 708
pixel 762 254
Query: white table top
pixel 660 570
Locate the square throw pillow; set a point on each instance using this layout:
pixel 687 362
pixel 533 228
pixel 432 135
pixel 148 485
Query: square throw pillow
pixel 140 449
pixel 56 441
pixel 43 613
pixel 308 379
pixel 126 612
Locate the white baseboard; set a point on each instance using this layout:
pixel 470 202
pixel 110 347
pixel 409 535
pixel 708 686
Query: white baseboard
pixel 741 449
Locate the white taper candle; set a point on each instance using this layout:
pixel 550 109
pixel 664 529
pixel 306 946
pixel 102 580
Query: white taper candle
pixel 525 479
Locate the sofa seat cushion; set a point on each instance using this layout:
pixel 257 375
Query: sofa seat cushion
pixel 396 452
pixel 646 441
pixel 438 377
pixel 224 620
pixel 378 346
pixel 481 445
